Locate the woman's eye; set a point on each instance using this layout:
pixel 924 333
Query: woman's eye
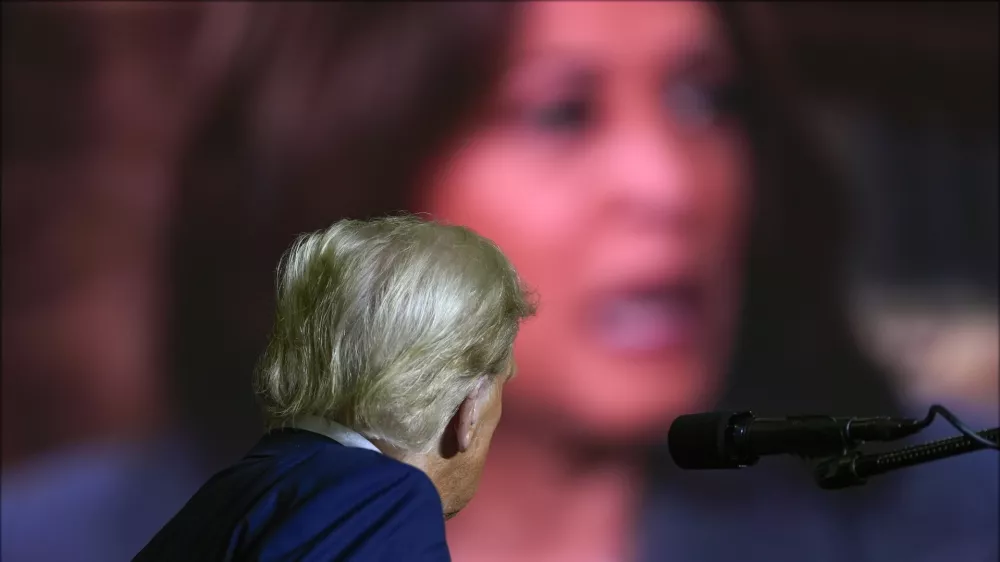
pixel 562 117
pixel 691 105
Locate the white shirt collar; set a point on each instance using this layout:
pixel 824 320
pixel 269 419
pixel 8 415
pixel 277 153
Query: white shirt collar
pixel 339 433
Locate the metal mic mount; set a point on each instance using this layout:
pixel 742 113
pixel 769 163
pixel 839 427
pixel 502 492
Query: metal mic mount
pixel 854 468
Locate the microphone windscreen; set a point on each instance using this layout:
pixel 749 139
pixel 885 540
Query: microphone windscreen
pixel 699 441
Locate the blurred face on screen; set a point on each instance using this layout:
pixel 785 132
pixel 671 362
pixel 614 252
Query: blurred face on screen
pixel 611 168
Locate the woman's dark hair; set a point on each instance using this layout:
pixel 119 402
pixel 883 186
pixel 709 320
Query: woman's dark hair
pixel 339 109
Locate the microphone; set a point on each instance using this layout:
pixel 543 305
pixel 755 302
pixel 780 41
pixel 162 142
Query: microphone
pixel 726 440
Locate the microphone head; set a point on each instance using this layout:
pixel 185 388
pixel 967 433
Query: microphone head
pixel 703 441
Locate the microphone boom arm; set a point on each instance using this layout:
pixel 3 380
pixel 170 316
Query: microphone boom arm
pixel 854 468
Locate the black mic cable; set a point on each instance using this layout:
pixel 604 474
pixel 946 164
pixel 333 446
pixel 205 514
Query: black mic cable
pixel 855 468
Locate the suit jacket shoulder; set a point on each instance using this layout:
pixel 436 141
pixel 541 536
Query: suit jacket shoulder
pixel 301 496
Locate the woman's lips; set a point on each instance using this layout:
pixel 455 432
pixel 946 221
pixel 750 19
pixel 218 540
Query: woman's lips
pixel 648 320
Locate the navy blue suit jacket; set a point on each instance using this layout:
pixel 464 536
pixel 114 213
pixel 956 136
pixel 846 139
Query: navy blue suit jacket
pixel 301 496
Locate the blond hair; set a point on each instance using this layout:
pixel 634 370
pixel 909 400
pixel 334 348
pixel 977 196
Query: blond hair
pixel 385 326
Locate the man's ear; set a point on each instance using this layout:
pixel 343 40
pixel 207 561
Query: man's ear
pixel 466 421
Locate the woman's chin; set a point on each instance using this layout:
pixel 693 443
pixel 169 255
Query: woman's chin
pixel 637 413
pixel 628 425
pixel 624 421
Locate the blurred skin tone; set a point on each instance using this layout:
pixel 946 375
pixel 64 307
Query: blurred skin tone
pixel 613 172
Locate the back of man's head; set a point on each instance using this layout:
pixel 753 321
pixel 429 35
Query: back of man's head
pixel 386 326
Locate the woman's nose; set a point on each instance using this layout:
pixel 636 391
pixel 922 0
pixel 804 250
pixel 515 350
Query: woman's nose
pixel 647 179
